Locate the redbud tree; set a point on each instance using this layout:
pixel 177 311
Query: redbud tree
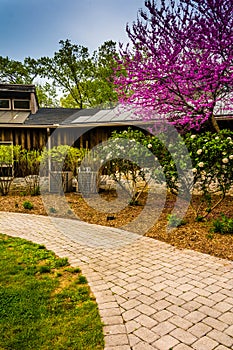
pixel 179 64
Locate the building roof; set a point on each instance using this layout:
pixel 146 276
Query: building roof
pixel 104 116
pixel 18 87
pixel 51 116
pixel 75 117
pixel 80 117
pixel 13 117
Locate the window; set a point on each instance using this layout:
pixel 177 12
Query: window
pixel 21 104
pixel 4 104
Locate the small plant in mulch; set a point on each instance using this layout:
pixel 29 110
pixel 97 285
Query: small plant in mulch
pixel 223 225
pixel 28 205
pixel 175 221
pixel 52 210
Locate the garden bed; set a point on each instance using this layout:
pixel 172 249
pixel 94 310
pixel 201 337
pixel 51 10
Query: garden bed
pixel 193 235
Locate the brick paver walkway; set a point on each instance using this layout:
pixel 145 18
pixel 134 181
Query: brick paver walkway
pixel 150 295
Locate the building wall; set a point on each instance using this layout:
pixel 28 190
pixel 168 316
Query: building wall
pixel 37 138
pixel 26 137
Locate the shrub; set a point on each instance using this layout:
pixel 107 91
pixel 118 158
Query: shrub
pixel 224 225
pixel 28 205
pixel 174 220
pixel 209 157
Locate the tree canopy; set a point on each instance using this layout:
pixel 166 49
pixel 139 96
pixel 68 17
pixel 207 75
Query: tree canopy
pixel 85 80
pixel 180 63
pixel 16 72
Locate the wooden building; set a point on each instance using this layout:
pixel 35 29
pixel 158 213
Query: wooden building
pixel 23 123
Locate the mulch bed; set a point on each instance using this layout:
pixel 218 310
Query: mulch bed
pixel 193 235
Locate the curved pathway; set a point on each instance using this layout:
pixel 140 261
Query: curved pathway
pixel 150 294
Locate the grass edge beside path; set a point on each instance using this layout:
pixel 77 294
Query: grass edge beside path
pixel 44 302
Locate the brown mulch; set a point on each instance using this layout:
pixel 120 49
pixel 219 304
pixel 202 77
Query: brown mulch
pixel 192 235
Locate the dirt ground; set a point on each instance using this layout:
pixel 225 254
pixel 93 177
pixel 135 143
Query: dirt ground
pixel 149 217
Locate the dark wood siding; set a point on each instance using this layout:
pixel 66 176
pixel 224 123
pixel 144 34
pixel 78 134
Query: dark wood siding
pixel 28 138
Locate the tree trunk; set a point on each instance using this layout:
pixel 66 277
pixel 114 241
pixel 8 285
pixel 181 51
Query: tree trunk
pixel 214 124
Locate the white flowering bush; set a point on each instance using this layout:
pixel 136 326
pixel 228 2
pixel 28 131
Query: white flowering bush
pixel 211 157
pixel 128 163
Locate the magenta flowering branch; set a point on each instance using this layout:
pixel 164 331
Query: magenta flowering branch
pixel 180 64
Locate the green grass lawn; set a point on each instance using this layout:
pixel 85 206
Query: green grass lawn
pixel 44 303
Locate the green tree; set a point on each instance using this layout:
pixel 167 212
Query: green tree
pixel 105 63
pixel 47 95
pixel 16 72
pixel 85 80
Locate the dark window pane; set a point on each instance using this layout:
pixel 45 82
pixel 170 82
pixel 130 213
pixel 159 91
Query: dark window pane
pixel 21 104
pixel 4 104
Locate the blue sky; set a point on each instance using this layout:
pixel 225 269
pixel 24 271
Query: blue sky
pixel 34 27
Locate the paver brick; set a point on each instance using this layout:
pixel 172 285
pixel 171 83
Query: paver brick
pixel 177 310
pixel 130 304
pixel 183 336
pixel 220 337
pixel 146 291
pixel 116 340
pixel 205 343
pixel 114 329
pixel 195 316
pixel 146 335
pixel 132 326
pixel 166 342
pixel 209 311
pixel 180 300
pixel 133 340
pixel 173 291
pixel 110 312
pixel 162 315
pixel 161 305
pixel 110 320
pixel 143 346
pixel 146 321
pixel 205 301
pixel 199 329
pixel 130 314
pixel 222 306
pixel 180 322
pixel 221 347
pixel 212 322
pixel 191 306
pixel 109 305
pixel 145 309
pixel 163 328
pixel 145 299
pixel 118 290
pixel 229 330
pixel 159 295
